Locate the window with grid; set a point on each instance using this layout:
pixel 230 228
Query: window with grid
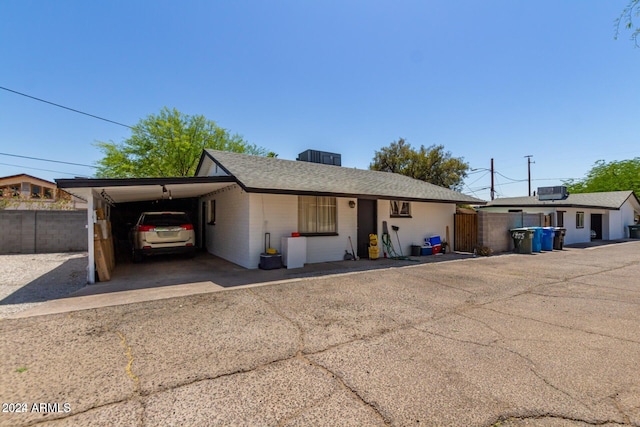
pixel 579 219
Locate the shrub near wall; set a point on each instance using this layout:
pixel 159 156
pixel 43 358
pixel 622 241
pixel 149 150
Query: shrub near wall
pixel 29 232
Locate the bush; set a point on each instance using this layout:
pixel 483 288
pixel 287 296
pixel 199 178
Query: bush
pixel 483 250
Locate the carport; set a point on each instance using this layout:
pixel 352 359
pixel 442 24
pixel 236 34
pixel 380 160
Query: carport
pixel 156 193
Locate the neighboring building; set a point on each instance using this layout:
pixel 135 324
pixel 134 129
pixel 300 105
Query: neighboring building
pixel 586 216
pixel 241 197
pixel 26 192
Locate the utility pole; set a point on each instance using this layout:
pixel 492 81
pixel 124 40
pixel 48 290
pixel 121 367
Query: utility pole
pixel 529 171
pixel 493 190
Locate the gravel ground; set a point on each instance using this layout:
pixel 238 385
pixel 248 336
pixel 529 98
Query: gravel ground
pixel 31 279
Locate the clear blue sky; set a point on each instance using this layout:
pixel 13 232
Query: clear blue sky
pixel 493 78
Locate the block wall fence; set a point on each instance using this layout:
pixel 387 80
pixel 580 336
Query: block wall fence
pixel 34 232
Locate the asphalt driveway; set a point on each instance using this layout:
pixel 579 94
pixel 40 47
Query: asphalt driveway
pixel 551 339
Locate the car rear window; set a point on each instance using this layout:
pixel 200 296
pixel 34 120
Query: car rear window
pixel 164 220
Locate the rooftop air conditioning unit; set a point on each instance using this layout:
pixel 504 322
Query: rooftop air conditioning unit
pixel 315 156
pixel 553 193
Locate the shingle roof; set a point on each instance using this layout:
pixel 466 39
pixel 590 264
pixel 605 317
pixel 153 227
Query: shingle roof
pixel 273 175
pixel 605 200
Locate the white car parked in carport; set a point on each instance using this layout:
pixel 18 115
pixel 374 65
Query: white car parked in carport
pixel 162 233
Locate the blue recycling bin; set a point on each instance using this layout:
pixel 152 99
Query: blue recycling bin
pixel 547 238
pixel 536 244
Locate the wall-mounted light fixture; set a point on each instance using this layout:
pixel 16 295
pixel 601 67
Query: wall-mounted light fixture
pixel 352 204
pixel 164 190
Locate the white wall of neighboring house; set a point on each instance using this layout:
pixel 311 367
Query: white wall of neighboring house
pixel 427 219
pixel 614 222
pixel 627 217
pixel 607 231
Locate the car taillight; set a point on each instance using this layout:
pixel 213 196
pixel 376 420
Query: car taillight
pixel 146 228
pixel 187 226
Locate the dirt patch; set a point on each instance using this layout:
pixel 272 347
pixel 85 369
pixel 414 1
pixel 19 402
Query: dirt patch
pixel 31 279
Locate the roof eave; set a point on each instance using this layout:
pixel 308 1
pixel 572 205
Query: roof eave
pixel 122 182
pixel 353 195
pixel 571 205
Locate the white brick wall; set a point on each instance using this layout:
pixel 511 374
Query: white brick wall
pixel 331 248
pixel 243 219
pixel 278 215
pixel 270 213
pixel 427 219
pixel 229 237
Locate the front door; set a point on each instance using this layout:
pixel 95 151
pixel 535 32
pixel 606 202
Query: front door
pixel 367 219
pixel 596 225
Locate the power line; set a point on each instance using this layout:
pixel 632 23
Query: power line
pixel 48 160
pixel 485 174
pixel 66 108
pixel 37 169
pixel 510 179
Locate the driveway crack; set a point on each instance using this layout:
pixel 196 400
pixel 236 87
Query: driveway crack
pixel 501 419
pixel 342 383
pixel 571 328
pixel 583 298
pixel 130 359
pixel 277 311
pixel 530 364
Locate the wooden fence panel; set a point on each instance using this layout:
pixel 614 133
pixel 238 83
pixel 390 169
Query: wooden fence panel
pixel 465 232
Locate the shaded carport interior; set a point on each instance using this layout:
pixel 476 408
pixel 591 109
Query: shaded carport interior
pixel 123 199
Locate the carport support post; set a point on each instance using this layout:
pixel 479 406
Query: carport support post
pixel 91 268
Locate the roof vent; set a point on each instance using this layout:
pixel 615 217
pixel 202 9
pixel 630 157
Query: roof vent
pixel 315 156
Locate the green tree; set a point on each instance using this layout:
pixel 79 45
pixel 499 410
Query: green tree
pixel 626 19
pixel 431 164
pixel 613 176
pixel 167 144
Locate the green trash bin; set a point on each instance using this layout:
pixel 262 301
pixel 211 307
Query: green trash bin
pixel 522 240
pixel 634 231
pixel 558 238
